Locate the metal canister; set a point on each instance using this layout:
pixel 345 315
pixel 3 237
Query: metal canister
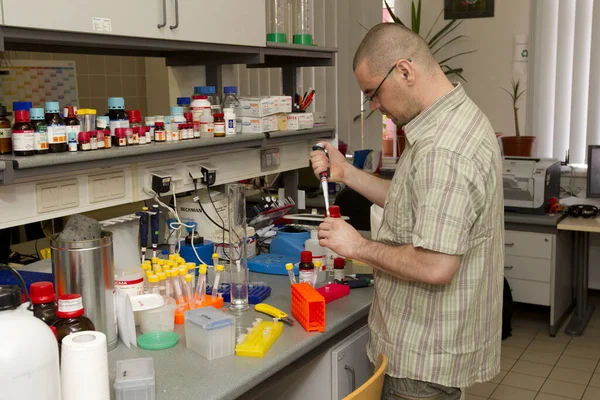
pixel 86 267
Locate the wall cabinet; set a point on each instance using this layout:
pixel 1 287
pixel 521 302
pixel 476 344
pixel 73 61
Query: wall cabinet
pixel 190 20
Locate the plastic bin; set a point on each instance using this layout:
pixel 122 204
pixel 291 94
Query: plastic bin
pixel 135 379
pixel 158 319
pixel 210 332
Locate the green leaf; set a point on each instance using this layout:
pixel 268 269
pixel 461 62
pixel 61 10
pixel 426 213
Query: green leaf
pixel 446 27
pixel 413 15
pixel 450 41
pixel 394 17
pixel 432 26
pixel 358 116
pixel 457 55
pixel 453 71
pixel 418 19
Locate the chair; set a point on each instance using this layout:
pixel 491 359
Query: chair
pixel 372 389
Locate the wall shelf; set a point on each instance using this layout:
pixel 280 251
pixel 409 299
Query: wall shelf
pixel 12 167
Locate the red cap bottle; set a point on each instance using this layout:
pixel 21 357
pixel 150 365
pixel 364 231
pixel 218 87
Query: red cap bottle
pixel 41 292
pixel 22 116
pixel 339 263
pixel 70 112
pixel 334 212
pixel 189 118
pixel 70 306
pixel 134 116
pixel 306 256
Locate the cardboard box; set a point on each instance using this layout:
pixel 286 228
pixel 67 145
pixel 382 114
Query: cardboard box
pixel 297 121
pixel 257 106
pixel 283 104
pixel 259 125
pixel 282 123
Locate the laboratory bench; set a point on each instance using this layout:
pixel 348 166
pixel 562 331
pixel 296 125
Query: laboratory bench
pixel 183 374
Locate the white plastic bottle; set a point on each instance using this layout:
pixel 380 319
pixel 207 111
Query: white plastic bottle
pixel 230 122
pixel 207 127
pixel 231 101
pixel 318 254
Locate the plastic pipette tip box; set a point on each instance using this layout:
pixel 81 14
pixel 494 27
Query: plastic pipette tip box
pixel 308 307
pixel 333 291
pixel 256 293
pixel 260 339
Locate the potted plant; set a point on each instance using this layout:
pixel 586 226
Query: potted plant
pixel 519 146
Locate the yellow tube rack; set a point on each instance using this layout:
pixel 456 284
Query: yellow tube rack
pixel 259 339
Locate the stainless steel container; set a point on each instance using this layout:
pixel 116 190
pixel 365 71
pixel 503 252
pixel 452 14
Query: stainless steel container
pixel 87 267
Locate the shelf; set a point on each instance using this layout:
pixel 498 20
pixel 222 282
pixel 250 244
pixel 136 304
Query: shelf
pixel 12 167
pixel 177 53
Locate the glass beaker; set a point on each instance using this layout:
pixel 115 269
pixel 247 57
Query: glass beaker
pixel 303 10
pixel 238 259
pixel 276 28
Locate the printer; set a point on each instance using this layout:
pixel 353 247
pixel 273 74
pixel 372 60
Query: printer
pixel 530 183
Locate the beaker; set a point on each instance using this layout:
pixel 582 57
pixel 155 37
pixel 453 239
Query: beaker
pixel 303 31
pixel 238 259
pixel 276 21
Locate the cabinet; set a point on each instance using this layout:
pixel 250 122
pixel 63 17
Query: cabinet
pixel 350 365
pixel 192 20
pixel 538 268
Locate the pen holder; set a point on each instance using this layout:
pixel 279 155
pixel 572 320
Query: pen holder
pixel 308 307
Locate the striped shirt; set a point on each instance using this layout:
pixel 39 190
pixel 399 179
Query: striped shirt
pixel 446 196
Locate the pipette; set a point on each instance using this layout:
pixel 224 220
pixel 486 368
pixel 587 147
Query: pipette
pixel 215 288
pixel 324 175
pixel 201 287
pixel 290 269
pixel 155 227
pixel 143 230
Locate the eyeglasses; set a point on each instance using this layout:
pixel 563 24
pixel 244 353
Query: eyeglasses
pixel 376 92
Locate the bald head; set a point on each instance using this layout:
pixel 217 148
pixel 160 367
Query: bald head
pixel 387 43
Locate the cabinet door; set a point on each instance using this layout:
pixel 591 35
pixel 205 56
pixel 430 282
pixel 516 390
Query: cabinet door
pixel 350 364
pixel 137 18
pixel 220 21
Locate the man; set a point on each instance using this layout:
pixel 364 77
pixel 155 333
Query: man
pixel 438 255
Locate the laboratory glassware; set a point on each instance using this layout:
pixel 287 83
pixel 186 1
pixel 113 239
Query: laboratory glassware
pixel 238 260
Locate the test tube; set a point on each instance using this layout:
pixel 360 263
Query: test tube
pixel 215 288
pixel 215 259
pixel 177 286
pixel 162 283
pixel 201 287
pixel 153 286
pixel 238 259
pixel 290 269
pixel 187 289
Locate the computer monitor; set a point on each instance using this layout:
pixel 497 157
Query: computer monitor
pixel 593 172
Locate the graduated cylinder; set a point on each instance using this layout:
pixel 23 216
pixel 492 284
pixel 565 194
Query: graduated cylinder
pixel 238 259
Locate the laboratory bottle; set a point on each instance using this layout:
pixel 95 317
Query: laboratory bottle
pixel 231 101
pixel 23 136
pixel 304 23
pixel 312 245
pixel 116 114
pixel 135 122
pixel 150 121
pixel 104 139
pixel 339 269
pixel 189 125
pixel 184 102
pixel 177 119
pixel 219 124
pixel 207 127
pixel 334 212
pixel 70 318
pixel 159 132
pixel 57 133
pixel 230 122
pixel 84 142
pixel 276 27
pixel 211 93
pixel 5 132
pixel 44 301
pixel 40 130
pixel 306 268
pixel 93 139
pixel 72 127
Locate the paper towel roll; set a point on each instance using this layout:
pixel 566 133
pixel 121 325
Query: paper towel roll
pixel 84 366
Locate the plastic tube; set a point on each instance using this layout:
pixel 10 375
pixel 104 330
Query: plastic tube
pixel 187 289
pixel 201 286
pixel 215 259
pixel 177 286
pixel 290 269
pixel 215 288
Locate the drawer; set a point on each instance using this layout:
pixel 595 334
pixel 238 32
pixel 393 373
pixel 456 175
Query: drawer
pixel 530 292
pixel 527 244
pixel 533 269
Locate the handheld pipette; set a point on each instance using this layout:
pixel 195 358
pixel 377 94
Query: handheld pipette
pixel 324 175
pixel 155 226
pixel 201 287
pixel 143 230
pixel 290 269
pixel 215 288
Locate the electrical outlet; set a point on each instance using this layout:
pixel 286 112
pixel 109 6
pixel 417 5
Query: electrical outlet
pixel 106 187
pixel 270 159
pixel 55 196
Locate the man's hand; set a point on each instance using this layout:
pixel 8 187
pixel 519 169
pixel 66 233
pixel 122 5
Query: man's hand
pixel 337 163
pixel 339 236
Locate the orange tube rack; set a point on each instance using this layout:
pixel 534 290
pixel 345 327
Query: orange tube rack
pixel 308 307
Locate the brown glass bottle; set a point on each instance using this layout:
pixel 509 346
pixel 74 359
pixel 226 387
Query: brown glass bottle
pixel 72 127
pixel 70 317
pixel 57 133
pixel 43 300
pixel 306 269
pixel 23 136
pixel 5 132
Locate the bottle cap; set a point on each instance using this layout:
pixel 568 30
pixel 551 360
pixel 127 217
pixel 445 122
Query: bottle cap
pixel 116 103
pixel 91 111
pixel 176 111
pixel 41 292
pixel 22 105
pixel 146 267
pixel 191 266
pixel 188 116
pixel 70 306
pixel 203 269
pixel 219 268
pixel 334 212
pixel 10 297
pixel 215 255
pixel 230 89
pixel 69 111
pixel 183 271
pixel 51 107
pixel 84 137
pixel 306 256
pixel 173 257
pixel 134 115
pixel 318 264
pixel 121 132
pixel 289 266
pixel 339 263
pixel 207 90
pixel 22 116
pixel 162 276
pixel 149 273
pixel 153 279
pixel 36 113
pixel 218 115
pixel 159 125
pixel 83 111
pixel 183 101
pixel 188 277
pixel 202 97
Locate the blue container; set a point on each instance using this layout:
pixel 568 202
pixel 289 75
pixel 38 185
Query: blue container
pixel 289 242
pixel 205 251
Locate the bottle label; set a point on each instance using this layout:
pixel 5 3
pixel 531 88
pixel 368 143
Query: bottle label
pixel 159 136
pixel 338 274
pixel 5 133
pixel 219 128
pixel 230 128
pixel 70 305
pixel 331 255
pixel 41 138
pixel 305 276
pixel 120 123
pixel 23 140
pixel 57 134
pixel 94 143
pixel 175 136
pixel 86 146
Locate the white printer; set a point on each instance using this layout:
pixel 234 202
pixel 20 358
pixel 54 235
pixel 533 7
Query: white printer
pixel 530 183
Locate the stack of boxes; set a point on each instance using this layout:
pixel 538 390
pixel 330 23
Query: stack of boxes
pixel 272 113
